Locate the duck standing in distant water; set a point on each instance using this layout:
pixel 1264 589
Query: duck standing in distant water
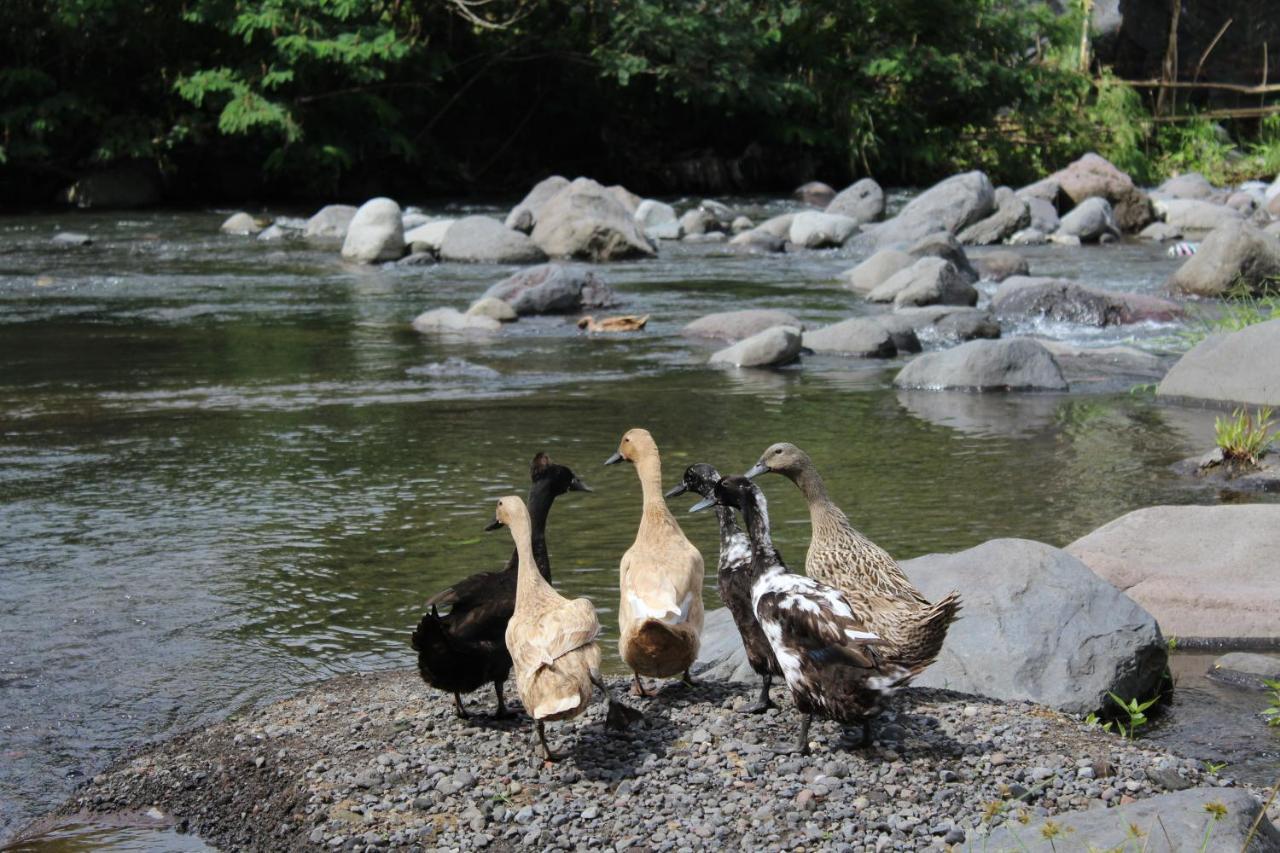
pixel 735 579
pixel 911 629
pixel 465 649
pixel 824 647
pixel 660 577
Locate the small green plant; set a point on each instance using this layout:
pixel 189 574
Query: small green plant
pixel 1245 437
pixel 1214 767
pixel 1172 642
pixel 1136 712
pixel 1242 306
pixel 1272 712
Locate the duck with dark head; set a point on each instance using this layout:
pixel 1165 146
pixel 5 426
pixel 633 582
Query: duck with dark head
pixel 734 577
pixel 464 649
pixel 827 654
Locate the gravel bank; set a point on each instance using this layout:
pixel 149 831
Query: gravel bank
pixel 376 761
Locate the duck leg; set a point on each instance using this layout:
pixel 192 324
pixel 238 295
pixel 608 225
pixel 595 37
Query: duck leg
pixel 620 717
pixel 502 713
pixel 688 679
pixel 764 703
pixel 459 708
pixel 637 688
pixel 802 743
pixel 547 754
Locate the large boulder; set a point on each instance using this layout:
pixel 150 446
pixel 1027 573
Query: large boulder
pixel 1195 215
pixel 1118 366
pixel 329 223
pixel 483 239
pixel 1234 252
pixel 858 336
pixel 1090 221
pixel 721 656
pixel 525 214
pixel 586 220
pixel 658 220
pixel 429 236
pixel 861 202
pixel 1240 367
pixel 1011 215
pixel 1205 572
pixel 772 347
pixel 814 230
pixel 736 325
pixel 1012 364
pixel 1065 637
pixel 929 281
pixel 1043 217
pixel 876 270
pixel 375 233
pixel 453 320
pixel 951 206
pixel 1064 301
pixel 1197 819
pixel 946 324
pixel 1093 176
pixel 553 289
pixel 942 244
pixel 1191 185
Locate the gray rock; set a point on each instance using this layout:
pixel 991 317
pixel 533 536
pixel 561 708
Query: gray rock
pixel 525 214
pixel 862 201
pixel 418 259
pixel 721 656
pixel 1013 364
pixel 1093 176
pixel 1191 185
pixel 741 224
pixel 1161 232
pixel 947 323
pixel 1203 571
pixel 1029 237
pixel 901 332
pixel 1233 252
pixel 1066 636
pixel 1043 216
pixel 778 226
pixel 708 237
pixel 997 266
pixel 276 232
pixel 772 347
pixel 71 238
pixel 929 281
pixel 658 220
pixel 815 193
pixel 697 221
pixel 1246 203
pixel 758 240
pixel 553 289
pixel 330 223
pixel 429 236
pixel 586 220
pixel 1046 189
pixel 1195 215
pixel 375 233
pixel 1169 823
pixel 496 309
pixel 1059 300
pixel 241 224
pixel 1123 366
pixel 1239 367
pixel 814 230
pixel 1089 221
pixel 1246 669
pixel 453 320
pixel 858 336
pixel 876 270
pixel 737 325
pixel 1011 215
pixel 940 244
pixel 412 218
pixel 483 239
pixel 951 206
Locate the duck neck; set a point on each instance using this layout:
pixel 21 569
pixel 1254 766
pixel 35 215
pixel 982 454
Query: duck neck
pixel 656 513
pixel 540 500
pixel 529 581
pixel 756 516
pixel 810 483
pixel 728 527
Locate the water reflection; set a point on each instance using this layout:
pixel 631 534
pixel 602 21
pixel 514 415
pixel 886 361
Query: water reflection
pixel 1012 415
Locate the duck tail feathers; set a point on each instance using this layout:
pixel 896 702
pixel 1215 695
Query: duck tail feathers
pixel 924 639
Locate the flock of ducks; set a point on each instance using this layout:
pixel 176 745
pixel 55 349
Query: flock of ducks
pixel 843 637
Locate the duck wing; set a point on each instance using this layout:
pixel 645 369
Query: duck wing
pixel 817 620
pixel 474 591
pixel 558 631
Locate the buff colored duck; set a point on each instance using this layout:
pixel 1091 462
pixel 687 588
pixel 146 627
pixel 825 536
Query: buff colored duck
pixel 660 614
pixel 621 323
pixel 911 628
pixel 552 640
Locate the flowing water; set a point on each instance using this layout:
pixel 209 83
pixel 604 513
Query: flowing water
pixel 230 468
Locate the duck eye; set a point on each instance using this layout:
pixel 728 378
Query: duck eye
pixel 777 451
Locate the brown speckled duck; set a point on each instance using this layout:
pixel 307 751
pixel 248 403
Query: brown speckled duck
pixel 911 629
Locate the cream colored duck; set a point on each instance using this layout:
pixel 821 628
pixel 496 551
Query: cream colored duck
pixel 660 614
pixel 912 629
pixel 552 640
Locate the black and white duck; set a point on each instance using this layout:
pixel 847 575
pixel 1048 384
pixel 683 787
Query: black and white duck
pixel 824 649
pixel 735 579
pixel 465 648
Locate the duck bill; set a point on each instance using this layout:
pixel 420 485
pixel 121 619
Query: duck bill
pixel 705 503
pixel 493 525
pixel 576 485
pixel 678 490
pixel 614 459
pixel 756 470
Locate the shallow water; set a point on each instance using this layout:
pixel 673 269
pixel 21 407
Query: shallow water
pixel 230 468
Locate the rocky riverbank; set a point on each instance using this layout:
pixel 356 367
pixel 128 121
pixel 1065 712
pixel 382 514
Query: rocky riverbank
pixel 376 761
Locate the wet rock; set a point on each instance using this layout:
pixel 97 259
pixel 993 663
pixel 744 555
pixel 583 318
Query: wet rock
pixel 330 223
pixel 758 240
pixel 929 281
pixel 861 337
pixel 1161 232
pixel 862 202
pixel 773 347
pixel 1191 185
pixel 375 233
pixel 950 206
pixel 483 239
pixel 553 289
pixel 1043 217
pixel 1093 176
pixel 708 237
pixel 815 193
pixel 697 221
pixel 876 270
pixel 453 320
pixel 1014 364
pixel 497 309
pixel 997 266
pixel 71 238
pixel 1070 636
pixel 241 224
pixel 1246 669
pixel 813 230
pixel 658 220
pixel 1232 253
pixel 1194 215
pixel 1029 237
pixel 741 224
pixel 1011 215
pixel 941 244
pixel 1203 571
pixel 1063 301
pixel 276 232
pixel 1088 221
pixel 417 259
pixel 1238 367
pixel 429 236
pixel 525 214
pixel 1122 366
pixel 1185 816
pixel 736 325
pixel 947 323
pixel 586 220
